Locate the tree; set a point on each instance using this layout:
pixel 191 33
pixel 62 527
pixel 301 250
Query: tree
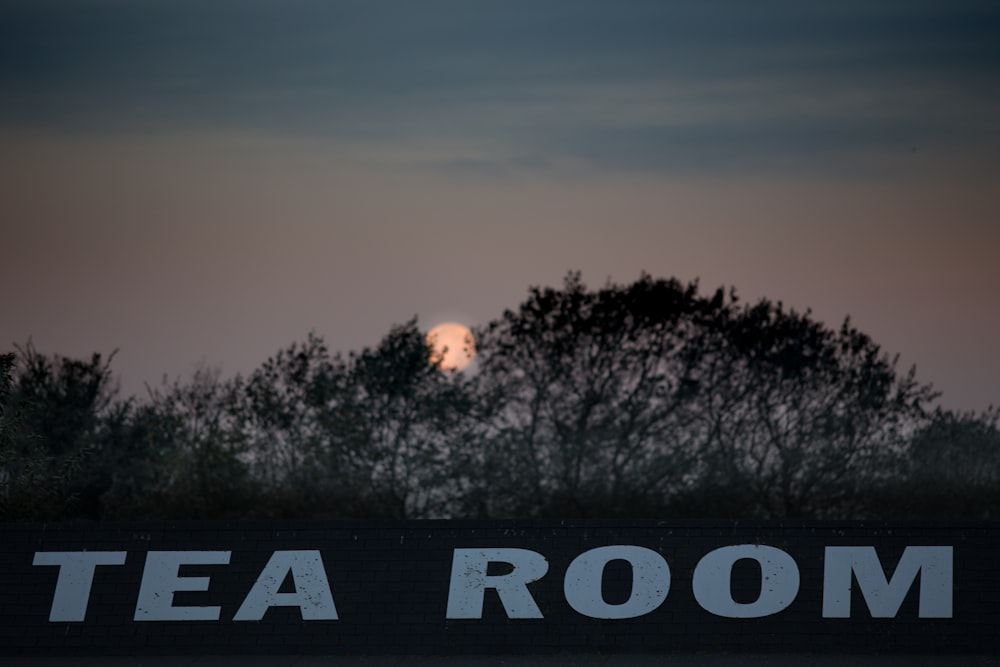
pixel 650 399
pixel 53 410
pixel 26 488
pixel 799 420
pixel 284 406
pixel 370 435
pixel 585 399
pixel 407 416
pixel 192 452
pixel 955 473
pixel 643 399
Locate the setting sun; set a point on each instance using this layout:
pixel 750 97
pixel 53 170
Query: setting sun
pixel 453 346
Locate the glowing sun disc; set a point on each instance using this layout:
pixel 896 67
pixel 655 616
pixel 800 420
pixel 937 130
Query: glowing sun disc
pixel 452 346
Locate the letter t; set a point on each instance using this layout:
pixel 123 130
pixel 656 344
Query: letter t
pixel 76 576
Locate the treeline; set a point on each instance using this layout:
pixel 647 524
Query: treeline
pixel 639 400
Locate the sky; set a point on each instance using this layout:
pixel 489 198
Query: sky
pixel 194 183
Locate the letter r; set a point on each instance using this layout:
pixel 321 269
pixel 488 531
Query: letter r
pixel 469 581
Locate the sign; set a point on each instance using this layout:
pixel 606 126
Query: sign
pixel 497 587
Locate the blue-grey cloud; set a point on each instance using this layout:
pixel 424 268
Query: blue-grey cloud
pixel 646 85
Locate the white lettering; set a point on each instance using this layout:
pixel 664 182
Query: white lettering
pixel 76 577
pixel 510 571
pixel 885 597
pixel 160 580
pixel 312 589
pixel 712 580
pixel 585 575
pixel 469 581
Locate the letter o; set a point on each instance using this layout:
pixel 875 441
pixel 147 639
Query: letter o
pixel 650 582
pixel 778 586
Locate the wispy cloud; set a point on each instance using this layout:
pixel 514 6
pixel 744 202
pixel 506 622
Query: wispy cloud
pixel 510 86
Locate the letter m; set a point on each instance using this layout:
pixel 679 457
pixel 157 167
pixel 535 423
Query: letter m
pixel 884 597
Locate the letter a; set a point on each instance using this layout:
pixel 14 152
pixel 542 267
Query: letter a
pixel 312 590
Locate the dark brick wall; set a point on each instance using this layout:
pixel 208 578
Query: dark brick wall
pixel 390 583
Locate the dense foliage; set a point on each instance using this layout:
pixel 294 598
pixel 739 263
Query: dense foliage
pixel 641 400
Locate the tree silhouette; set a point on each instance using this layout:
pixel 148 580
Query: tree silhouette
pixel 53 418
pixel 646 399
pixel 650 398
pixel 367 436
pixel 799 419
pixel 410 416
pixel 287 407
pixel 198 448
pixel 586 397
pixel 956 466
